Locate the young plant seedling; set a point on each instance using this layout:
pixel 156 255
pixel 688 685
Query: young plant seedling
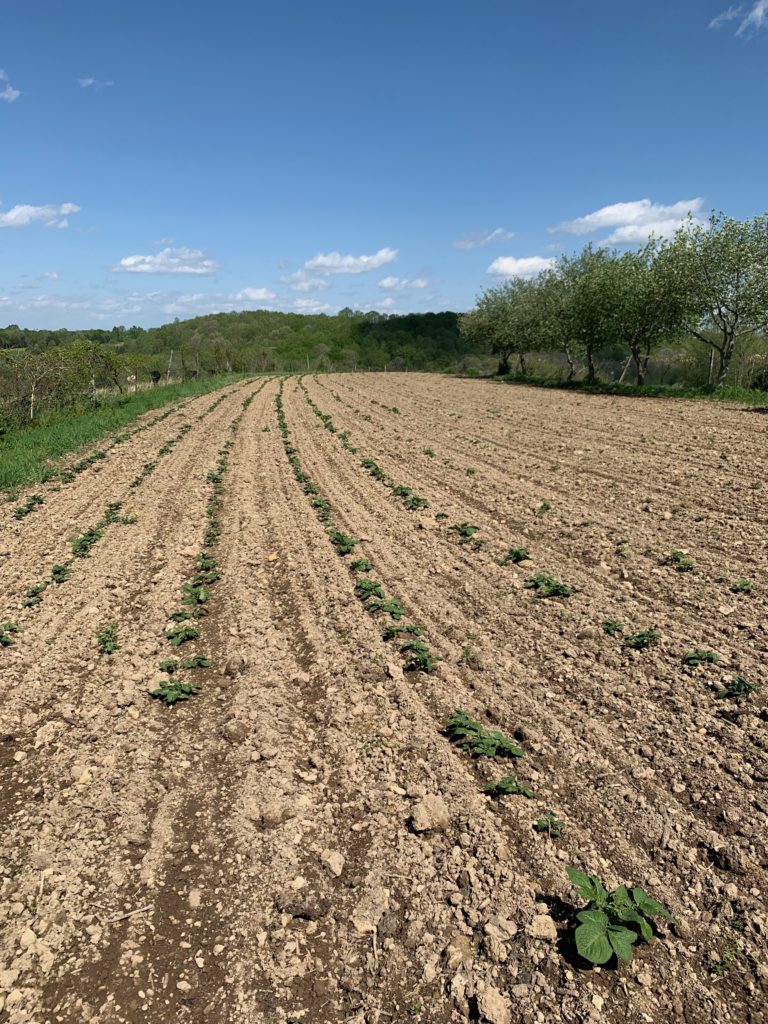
pixel 545 506
pixel 7 632
pixel 738 688
pixel 515 555
pixel 477 740
pixel 612 627
pixel 612 922
pixel 181 634
pixel 34 595
pixel 82 546
pixel 195 661
pixel 414 503
pixel 392 607
pixel 642 640
pixel 61 573
pixel 417 656
pixel 409 629
pixel 547 586
pixel 173 690
pixel 429 452
pixel 701 657
pixel 440 516
pixel 679 561
pixel 508 785
pixel 361 565
pixel 470 658
pixel 107 640
pixel 29 506
pixel 367 587
pixel 343 543
pixel 471 471
pixel 465 531
pixel 401 491
pixel 550 824
pixel 743 587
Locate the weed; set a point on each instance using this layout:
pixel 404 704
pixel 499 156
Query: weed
pixel 7 632
pixel 743 587
pixel 612 921
pixel 471 471
pixel 550 824
pixel 417 656
pixel 733 955
pixel 343 543
pixel 545 506
pixel 361 565
pixel 515 555
pixel 738 688
pixel 612 627
pixel 368 588
pixel 470 658
pixel 679 561
pixel 547 586
pixel 430 452
pixel 106 639
pixel 477 740
pixel 61 573
pixel 392 607
pixel 640 641
pixel 181 634
pixel 508 785
pixel 174 690
pixel 700 657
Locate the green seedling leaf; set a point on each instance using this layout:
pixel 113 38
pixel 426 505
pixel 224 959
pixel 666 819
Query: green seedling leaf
pixel 701 657
pixel 547 586
pixel 550 824
pixel 106 639
pixel 392 607
pixel 738 688
pixel 366 588
pixel 181 634
pixel 361 565
pixel 174 690
pixel 592 937
pixel 640 641
pixel 471 736
pixel 508 785
pixel 418 658
pixel 612 627
pixel 743 587
pixel 515 555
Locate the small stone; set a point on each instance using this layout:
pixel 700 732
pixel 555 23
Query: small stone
pixel 235 665
pixel 543 927
pixel 183 986
pixel 19 756
pixel 644 979
pixel 27 938
pixel 235 731
pixel 430 815
pixel 493 1007
pixel 333 861
pixel 195 898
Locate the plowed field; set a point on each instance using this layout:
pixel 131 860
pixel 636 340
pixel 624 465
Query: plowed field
pixel 297 838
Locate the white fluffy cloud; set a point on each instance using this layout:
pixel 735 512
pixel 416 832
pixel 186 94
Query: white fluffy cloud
pixel 51 215
pixel 399 283
pixel 301 281
pixel 481 238
pixel 523 266
pixel 169 261
pixel 253 295
pixel 311 306
pixel 7 92
pixel 634 221
pixel 750 20
pixel 335 263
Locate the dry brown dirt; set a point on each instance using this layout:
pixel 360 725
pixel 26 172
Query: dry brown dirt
pixel 300 841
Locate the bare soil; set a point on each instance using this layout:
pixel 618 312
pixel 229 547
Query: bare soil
pixel 300 841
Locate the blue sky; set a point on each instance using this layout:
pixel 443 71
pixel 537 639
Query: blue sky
pixel 169 159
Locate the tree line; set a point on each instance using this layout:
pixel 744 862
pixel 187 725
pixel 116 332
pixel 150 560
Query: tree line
pixel 708 282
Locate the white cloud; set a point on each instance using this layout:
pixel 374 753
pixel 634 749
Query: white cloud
pixel 399 283
pixel 51 275
pixel 169 261
pixel 335 263
pixel 311 306
pixel 634 221
pixel 253 295
pixel 93 83
pixel 301 281
pixel 7 92
pixel 750 20
pixel 51 215
pixel 481 238
pixel 523 266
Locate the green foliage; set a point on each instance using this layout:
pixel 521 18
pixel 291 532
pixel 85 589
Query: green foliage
pixel 392 607
pixel 414 503
pixel 515 555
pixel 173 690
pixel 366 588
pixel 545 506
pixel 508 785
pixel 81 547
pixel 679 561
pixel 640 641
pixel 34 595
pixel 407 629
pixel 737 688
pixel 417 656
pixel 430 452
pixel 181 634
pixel 614 921
pixel 700 657
pixel 550 824
pixel 195 593
pixel 361 565
pixel 547 586
pixel 29 506
pixel 343 543
pixel 471 736
pixel 471 471
pixel 465 531
pixel 61 573
pixel 612 627
pixel 743 587
pixel 7 632
pixel 106 639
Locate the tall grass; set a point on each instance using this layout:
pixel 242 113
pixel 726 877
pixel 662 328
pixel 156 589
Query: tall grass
pixel 27 453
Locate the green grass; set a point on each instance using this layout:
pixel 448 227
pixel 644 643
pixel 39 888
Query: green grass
pixel 26 454
pixel 745 396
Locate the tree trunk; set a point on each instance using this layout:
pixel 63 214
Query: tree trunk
pixel 32 403
pixel 571 364
pixel 521 358
pixel 503 370
pixel 168 372
pixel 626 368
pixel 591 372
pixel 711 371
pixel 725 359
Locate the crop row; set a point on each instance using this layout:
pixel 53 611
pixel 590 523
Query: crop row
pixel 412 647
